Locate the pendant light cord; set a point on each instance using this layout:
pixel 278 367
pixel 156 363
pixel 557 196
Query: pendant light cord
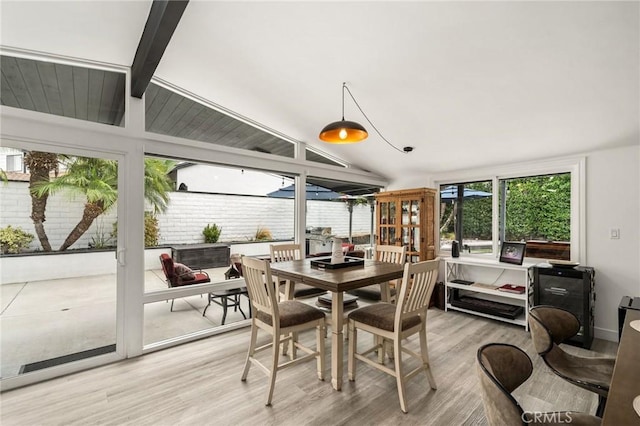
pixel 344 86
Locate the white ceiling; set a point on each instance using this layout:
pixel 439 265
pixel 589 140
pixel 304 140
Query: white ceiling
pixel 466 83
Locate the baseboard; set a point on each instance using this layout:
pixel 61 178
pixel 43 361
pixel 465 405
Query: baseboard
pixel 605 334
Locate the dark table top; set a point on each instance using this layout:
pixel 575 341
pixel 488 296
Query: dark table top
pixel 337 280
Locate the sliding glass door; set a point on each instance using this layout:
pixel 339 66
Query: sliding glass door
pixel 59 279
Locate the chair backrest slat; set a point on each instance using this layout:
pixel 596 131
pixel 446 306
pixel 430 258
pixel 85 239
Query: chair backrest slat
pixel 285 252
pixel 418 282
pixel 262 293
pixel 391 254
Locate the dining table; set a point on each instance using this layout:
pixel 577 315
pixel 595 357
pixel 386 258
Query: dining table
pixel 624 390
pixel 337 281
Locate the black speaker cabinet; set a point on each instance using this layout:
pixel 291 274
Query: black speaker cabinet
pixel 571 289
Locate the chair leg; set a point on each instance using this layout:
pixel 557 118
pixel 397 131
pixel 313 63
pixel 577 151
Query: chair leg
pixel 225 302
pixel 397 348
pixel 208 304
pixel 236 306
pixel 379 340
pixel 252 350
pixel 602 402
pixel 351 362
pixel 424 351
pixel 171 309
pixel 274 367
pixel 320 331
pixel 294 350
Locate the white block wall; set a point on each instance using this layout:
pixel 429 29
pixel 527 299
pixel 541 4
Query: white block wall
pixel 188 214
pixel 240 216
pixel 62 215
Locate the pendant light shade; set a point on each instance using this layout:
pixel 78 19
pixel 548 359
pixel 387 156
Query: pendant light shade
pixel 343 131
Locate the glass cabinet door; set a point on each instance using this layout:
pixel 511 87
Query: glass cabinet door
pixel 383 212
pixel 410 228
pixel 387 222
pixel 392 213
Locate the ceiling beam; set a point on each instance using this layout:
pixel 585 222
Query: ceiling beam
pixel 161 23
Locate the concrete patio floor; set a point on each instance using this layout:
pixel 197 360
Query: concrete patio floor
pixel 40 320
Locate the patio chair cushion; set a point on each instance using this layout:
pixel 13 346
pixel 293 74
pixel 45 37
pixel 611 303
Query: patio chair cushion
pixel 292 312
pixel 183 272
pixel 382 315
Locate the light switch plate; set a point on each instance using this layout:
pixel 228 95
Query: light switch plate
pixel 614 233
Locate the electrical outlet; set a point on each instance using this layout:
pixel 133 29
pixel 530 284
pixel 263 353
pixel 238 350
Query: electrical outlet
pixel 614 233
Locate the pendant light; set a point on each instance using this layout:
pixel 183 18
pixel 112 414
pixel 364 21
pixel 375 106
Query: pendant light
pixel 343 131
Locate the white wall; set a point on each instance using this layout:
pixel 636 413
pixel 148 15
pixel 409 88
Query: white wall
pixel 62 214
pixel 612 202
pixel 240 216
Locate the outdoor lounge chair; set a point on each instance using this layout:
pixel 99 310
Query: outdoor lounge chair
pixel 178 275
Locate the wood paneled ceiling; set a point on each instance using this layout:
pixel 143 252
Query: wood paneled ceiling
pixel 69 91
pixel 172 114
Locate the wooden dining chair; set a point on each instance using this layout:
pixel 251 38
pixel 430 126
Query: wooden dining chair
pixel 378 292
pixel 287 252
pixel 396 322
pixel 281 320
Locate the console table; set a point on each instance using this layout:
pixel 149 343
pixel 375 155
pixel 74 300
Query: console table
pixel 486 276
pixel 202 256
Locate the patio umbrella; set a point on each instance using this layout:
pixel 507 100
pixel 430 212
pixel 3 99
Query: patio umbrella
pixel 314 192
pixel 450 194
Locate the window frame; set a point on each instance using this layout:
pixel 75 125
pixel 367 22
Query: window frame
pixel 575 165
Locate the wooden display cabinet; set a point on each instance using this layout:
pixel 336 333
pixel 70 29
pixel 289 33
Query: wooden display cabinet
pixel 406 217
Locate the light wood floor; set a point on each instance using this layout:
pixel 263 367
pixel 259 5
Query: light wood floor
pixel 199 383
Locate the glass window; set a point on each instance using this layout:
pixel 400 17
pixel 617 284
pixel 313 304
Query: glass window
pixel 14 163
pixel 332 212
pixel 466 216
pixel 537 210
pixel 212 213
pixel 532 209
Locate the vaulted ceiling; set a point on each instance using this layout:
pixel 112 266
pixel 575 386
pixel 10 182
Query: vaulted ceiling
pixel 467 84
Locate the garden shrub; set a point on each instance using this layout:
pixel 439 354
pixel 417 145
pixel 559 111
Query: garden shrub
pixel 263 234
pixel 14 240
pixel 211 233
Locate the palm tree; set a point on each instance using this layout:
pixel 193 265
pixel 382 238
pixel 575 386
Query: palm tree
pixel 157 184
pixel 97 180
pixel 40 165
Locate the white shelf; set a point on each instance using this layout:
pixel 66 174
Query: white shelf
pixel 488 262
pixel 520 320
pixel 484 290
pixel 488 274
